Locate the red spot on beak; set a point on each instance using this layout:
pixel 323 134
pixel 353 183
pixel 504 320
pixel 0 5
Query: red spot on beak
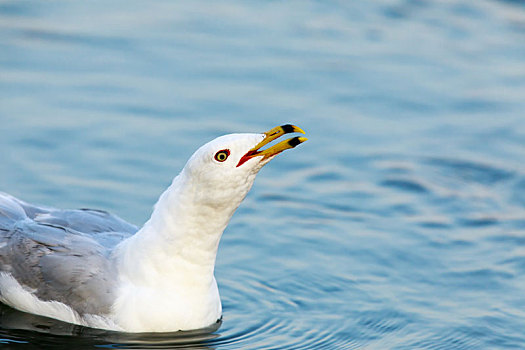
pixel 246 157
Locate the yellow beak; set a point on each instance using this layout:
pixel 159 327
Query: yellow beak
pixel 271 135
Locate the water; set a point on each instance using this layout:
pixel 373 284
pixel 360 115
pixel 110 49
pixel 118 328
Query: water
pixel 400 224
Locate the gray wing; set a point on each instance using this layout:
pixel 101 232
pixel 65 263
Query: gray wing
pixel 61 255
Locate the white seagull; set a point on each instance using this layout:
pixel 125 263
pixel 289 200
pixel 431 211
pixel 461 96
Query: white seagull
pixel 91 268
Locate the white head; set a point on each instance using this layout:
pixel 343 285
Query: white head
pixel 222 171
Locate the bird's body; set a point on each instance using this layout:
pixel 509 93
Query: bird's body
pixel 91 268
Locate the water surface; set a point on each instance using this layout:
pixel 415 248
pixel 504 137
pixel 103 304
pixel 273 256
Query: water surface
pixel 400 224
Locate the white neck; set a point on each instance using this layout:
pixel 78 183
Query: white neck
pixel 170 260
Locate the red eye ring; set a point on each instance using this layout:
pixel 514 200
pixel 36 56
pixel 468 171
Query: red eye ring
pixel 222 155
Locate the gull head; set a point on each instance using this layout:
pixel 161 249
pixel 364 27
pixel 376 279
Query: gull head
pixel 222 171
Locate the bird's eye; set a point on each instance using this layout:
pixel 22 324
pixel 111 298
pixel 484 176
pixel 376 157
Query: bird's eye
pixel 222 155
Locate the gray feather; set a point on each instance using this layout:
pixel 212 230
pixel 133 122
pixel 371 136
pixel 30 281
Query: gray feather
pixel 61 255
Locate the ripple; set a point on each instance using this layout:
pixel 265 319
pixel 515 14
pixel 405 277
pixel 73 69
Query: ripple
pixel 460 338
pixel 406 185
pixel 471 171
pixel 379 323
pixel 477 279
pixel 478 222
pixel 290 311
pixel 75 39
pixel 518 192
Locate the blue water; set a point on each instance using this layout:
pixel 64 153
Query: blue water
pixel 400 224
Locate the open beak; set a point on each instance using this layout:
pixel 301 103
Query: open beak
pixel 277 148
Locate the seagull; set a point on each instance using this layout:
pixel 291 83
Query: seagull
pixel 91 268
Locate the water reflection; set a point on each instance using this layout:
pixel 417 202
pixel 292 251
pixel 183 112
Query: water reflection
pixel 20 327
